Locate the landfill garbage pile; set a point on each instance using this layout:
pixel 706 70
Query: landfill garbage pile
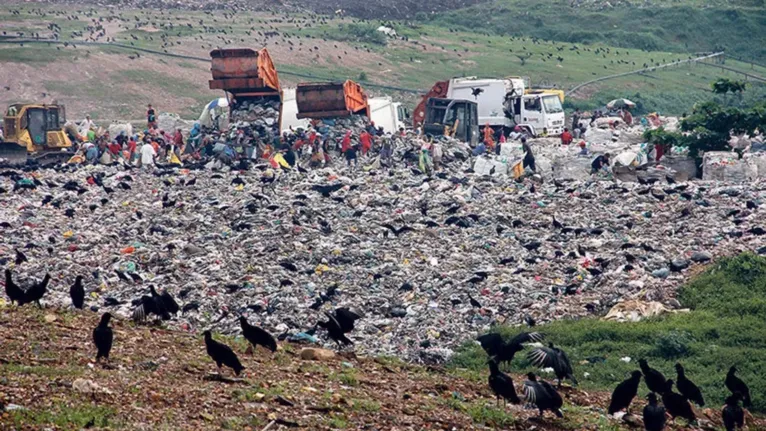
pixel 260 114
pixel 405 250
pixel 337 127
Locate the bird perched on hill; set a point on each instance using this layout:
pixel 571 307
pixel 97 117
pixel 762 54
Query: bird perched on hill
pixel 687 388
pixel 733 416
pixel 161 306
pixel 36 292
pixel 624 393
pixel 654 379
pixel 14 292
pixel 734 384
pixel 502 384
pixel 257 336
pixel 555 358
pixel 339 324
pixel 654 414
pixel 325 191
pixel 500 351
pixel 222 354
pixel 542 395
pixel 676 404
pixel 103 337
pixel 20 258
pixel 77 293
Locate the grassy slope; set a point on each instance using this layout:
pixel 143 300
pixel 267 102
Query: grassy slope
pixel 433 53
pixel 725 328
pixel 679 26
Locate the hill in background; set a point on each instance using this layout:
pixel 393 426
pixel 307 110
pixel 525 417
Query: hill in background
pixel 553 43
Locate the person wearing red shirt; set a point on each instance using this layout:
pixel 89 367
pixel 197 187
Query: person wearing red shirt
pixel 115 148
pixel 566 137
pixel 178 139
pixel 345 144
pixel 131 149
pixel 366 140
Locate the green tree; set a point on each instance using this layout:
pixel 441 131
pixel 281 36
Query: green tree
pixel 710 126
pixel 725 86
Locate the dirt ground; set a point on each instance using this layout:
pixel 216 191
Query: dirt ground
pixel 108 86
pixel 158 379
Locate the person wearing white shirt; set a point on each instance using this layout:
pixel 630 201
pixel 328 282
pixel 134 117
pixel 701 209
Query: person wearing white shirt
pixel 147 155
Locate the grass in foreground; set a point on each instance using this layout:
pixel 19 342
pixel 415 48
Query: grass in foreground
pixel 725 327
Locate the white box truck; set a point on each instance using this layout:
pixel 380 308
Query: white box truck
pixel 386 113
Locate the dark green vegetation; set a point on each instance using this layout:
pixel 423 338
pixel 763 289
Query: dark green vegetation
pixel 711 123
pixel 679 26
pixel 725 327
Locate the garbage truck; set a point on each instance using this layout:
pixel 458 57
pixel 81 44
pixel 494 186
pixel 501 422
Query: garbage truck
pixel 248 77
pixel 452 117
pixel 34 132
pixel 386 113
pixel 331 100
pixel 502 104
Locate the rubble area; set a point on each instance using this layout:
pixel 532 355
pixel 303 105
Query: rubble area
pixel 272 247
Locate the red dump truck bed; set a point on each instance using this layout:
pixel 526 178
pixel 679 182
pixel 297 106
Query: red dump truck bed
pixel 438 91
pixel 331 99
pixel 244 72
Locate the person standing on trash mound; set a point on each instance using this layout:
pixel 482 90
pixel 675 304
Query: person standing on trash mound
pixel 529 157
pixel 151 117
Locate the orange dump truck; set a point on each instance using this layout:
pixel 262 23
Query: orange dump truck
pixel 247 76
pixel 331 100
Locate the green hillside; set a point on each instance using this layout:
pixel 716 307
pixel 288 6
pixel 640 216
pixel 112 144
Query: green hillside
pixel 306 48
pixel 665 25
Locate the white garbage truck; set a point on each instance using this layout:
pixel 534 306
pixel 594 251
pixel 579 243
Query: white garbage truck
pixel 502 104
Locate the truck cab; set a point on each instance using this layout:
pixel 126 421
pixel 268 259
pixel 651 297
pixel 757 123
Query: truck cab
pixel 537 111
pixel 456 118
pixel 389 115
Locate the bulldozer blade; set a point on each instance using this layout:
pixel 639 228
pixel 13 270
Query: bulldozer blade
pixel 12 154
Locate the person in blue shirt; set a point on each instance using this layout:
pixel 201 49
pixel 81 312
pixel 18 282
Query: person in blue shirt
pixel 480 149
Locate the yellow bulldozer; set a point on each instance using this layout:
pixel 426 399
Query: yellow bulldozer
pixel 34 131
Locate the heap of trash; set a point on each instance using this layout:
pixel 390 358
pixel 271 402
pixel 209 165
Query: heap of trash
pixel 406 250
pixel 259 114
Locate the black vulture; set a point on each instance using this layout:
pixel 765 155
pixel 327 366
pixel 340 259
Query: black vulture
pixel 734 384
pixel 555 358
pixel 624 393
pixel 687 388
pixel 103 337
pixel 501 384
pixel 676 404
pixel 732 414
pixel 77 293
pixel 654 379
pixel 222 354
pixel 257 336
pixel 542 395
pixel 654 414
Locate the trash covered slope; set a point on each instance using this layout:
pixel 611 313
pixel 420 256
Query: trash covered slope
pixel 271 251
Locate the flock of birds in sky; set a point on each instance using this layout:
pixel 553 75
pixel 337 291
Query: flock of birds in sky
pixel 536 392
